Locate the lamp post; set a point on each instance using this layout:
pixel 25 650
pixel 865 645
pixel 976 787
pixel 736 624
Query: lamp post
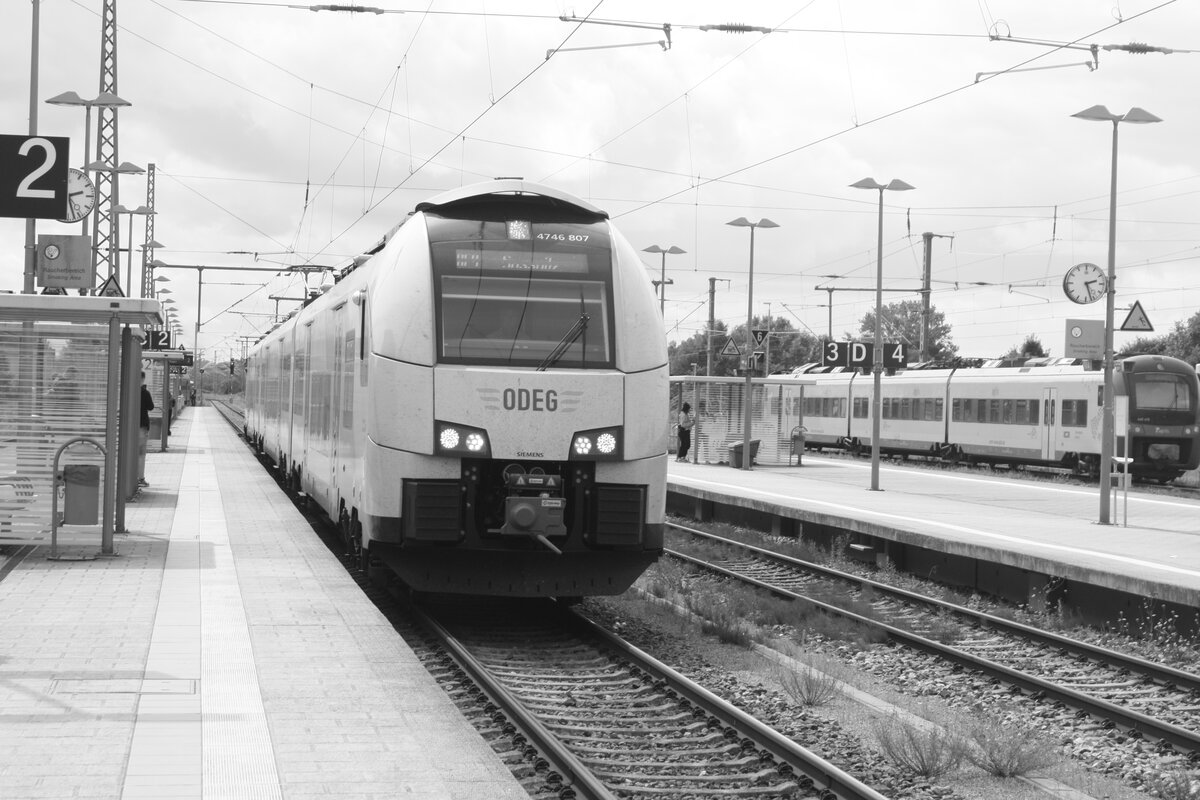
pixel 895 185
pixel 662 282
pixel 1137 116
pixel 742 222
pixel 148 264
pixel 141 211
pixel 103 100
pixel 124 168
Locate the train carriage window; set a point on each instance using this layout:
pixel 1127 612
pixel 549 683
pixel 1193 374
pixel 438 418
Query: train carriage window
pixel 1074 413
pixel 1007 415
pixel 861 407
pixel 286 384
pixel 939 409
pixel 348 382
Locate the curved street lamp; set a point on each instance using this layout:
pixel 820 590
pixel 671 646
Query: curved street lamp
pixel 1137 116
pixel 742 222
pixel 141 211
pixel 662 282
pixel 895 185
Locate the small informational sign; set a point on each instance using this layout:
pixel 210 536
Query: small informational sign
pixel 759 335
pixel 861 355
pixel 111 288
pixel 33 176
pixel 1084 339
pixel 1137 320
pixel 65 262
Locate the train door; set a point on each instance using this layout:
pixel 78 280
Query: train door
pixel 1049 426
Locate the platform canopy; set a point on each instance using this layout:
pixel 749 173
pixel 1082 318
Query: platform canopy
pixel 84 310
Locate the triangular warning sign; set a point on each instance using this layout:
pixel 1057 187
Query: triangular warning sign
pixel 110 288
pixel 759 335
pixel 1137 319
pixel 730 348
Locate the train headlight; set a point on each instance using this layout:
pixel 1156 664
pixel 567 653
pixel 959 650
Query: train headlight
pixel 452 439
pixel 600 444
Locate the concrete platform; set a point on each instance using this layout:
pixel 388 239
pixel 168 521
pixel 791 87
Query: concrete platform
pixel 224 653
pixel 1045 528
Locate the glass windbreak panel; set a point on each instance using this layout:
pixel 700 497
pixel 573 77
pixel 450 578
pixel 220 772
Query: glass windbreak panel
pixel 518 285
pixel 1154 392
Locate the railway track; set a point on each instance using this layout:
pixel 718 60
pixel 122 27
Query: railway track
pixel 1150 700
pixel 614 722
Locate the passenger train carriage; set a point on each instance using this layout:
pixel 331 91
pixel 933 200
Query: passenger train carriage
pixel 474 400
pixel 1034 415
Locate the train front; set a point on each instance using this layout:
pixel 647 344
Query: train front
pixel 544 471
pixel 1164 416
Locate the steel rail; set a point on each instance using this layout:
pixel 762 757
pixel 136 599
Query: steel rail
pixel 1180 738
pixel 799 759
pixel 1161 673
pixel 575 773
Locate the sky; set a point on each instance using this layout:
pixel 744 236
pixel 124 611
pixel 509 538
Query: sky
pixel 283 136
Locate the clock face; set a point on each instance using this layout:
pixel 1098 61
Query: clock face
pixel 1085 283
pixel 81 196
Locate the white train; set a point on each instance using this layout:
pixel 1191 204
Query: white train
pixel 1035 415
pixel 475 401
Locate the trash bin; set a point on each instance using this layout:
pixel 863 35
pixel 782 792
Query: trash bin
pixel 735 453
pixel 797 445
pixel 81 494
pixel 155 428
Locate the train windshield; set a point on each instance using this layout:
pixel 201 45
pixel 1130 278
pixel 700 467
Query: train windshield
pixel 1163 392
pixel 523 292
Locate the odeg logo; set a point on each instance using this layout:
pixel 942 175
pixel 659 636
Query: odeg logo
pixel 530 400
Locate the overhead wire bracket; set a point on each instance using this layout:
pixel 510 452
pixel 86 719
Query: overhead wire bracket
pixel 665 43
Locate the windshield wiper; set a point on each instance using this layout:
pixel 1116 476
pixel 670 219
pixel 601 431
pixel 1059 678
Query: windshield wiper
pixel 565 343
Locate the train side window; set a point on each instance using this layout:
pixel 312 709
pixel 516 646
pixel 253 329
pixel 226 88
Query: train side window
pixel 939 409
pixel 286 384
pixel 861 407
pixel 1074 413
pixel 348 382
pixel 835 407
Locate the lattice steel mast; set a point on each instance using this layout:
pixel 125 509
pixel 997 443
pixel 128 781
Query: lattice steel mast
pixel 105 239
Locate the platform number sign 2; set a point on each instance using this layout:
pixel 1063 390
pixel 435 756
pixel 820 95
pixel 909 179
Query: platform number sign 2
pixel 33 176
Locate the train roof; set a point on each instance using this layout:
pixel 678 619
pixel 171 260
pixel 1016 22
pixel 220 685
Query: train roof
pixel 506 186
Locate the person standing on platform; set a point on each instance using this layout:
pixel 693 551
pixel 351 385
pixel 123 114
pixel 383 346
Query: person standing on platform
pixel 147 406
pixel 686 423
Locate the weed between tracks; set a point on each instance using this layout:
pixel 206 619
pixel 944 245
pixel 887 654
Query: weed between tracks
pixel 976 756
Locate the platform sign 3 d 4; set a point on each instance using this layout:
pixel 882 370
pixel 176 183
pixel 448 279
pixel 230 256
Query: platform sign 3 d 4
pixel 861 355
pixel 33 176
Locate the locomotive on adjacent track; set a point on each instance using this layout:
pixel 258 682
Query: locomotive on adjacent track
pixel 475 401
pixel 1030 415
